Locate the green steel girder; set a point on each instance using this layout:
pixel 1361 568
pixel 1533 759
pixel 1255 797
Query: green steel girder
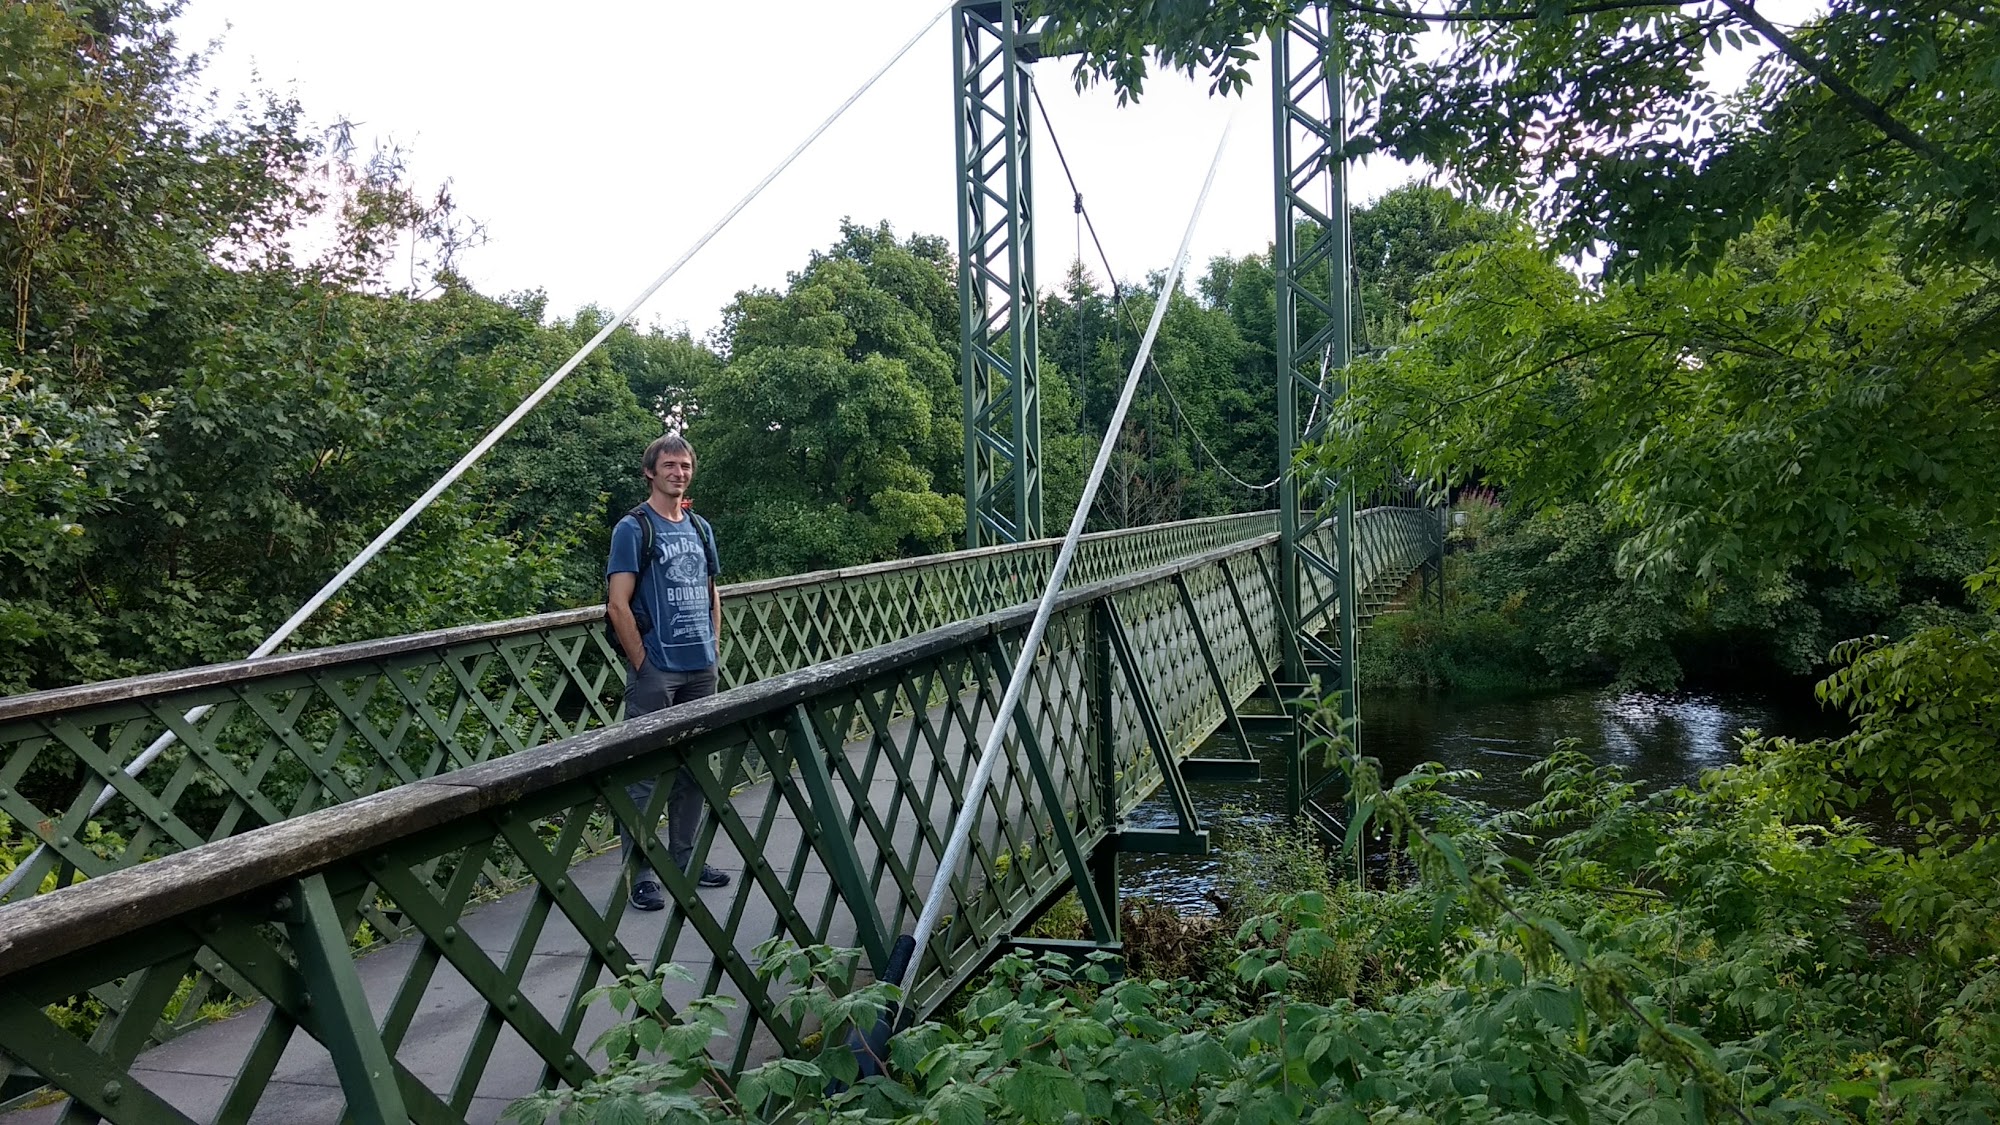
pixel 294 733
pixel 513 781
pixel 842 858
pixel 340 1009
pixel 992 46
pixel 1156 841
pixel 1221 769
pixel 1099 914
pixel 1311 256
pixel 1200 634
pixel 825 786
pixel 1157 739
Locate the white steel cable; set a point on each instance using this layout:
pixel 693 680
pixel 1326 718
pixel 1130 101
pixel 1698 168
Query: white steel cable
pixel 416 508
pixel 1003 719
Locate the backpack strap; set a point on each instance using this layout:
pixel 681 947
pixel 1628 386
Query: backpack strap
pixel 703 532
pixel 707 536
pixel 645 537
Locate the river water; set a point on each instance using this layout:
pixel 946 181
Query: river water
pixel 1665 739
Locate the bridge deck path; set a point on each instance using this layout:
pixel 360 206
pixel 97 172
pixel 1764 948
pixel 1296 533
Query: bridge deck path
pixel 194 1072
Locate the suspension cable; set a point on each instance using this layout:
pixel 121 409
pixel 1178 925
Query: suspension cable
pixel 1118 299
pixel 416 508
pixel 1003 718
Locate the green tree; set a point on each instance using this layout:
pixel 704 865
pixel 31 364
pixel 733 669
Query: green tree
pixel 824 440
pixel 1399 240
pixel 1866 108
pixel 1808 402
pixel 60 465
pixel 235 421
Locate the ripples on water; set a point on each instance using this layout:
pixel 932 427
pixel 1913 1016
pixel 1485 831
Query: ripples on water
pixel 1664 739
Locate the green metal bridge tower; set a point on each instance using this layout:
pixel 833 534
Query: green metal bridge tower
pixel 1311 258
pixel 992 47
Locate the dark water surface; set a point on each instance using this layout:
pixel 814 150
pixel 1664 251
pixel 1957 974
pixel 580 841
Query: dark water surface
pixel 1665 739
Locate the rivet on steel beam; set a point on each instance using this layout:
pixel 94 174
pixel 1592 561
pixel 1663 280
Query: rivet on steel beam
pixel 570 1060
pixel 113 1090
pixel 562 884
pixel 451 933
pixel 513 1002
pixel 281 904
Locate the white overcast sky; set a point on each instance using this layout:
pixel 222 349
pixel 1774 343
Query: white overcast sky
pixel 598 139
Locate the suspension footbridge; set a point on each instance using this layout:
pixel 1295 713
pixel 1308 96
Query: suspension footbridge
pixel 451 799
pixel 377 882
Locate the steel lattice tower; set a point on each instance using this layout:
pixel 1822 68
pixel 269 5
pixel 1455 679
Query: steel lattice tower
pixel 992 47
pixel 1310 258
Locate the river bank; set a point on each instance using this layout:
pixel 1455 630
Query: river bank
pixel 1665 739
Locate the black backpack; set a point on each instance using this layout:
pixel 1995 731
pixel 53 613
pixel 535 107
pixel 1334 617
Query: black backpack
pixel 702 531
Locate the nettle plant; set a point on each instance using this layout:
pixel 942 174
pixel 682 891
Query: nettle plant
pixel 1606 954
pixel 658 1068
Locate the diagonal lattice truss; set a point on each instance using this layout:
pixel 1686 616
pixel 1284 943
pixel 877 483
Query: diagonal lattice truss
pixel 996 280
pixel 832 783
pixel 305 731
pixel 830 789
pixel 1389 544
pixel 293 734
pixel 1310 261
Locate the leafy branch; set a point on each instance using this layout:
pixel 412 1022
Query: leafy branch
pixel 1871 110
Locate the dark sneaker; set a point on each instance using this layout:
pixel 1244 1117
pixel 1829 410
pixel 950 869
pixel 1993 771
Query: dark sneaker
pixel 710 877
pixel 646 896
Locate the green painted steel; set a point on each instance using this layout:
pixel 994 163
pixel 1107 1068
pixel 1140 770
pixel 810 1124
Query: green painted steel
pixel 788 623
pixel 1314 314
pixel 416 744
pixel 992 46
pixel 340 1008
pixel 294 733
pixel 1390 544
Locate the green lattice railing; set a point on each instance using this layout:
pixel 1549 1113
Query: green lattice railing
pixel 784 624
pixel 867 755
pixel 293 733
pixel 413 743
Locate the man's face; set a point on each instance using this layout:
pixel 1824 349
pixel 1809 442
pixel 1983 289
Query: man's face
pixel 673 472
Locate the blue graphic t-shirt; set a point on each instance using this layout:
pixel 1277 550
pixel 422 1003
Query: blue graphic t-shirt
pixel 673 591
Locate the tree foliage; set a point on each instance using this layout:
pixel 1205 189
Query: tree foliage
pixel 1807 400
pixel 216 394
pixel 1606 954
pixel 1866 108
pixel 832 437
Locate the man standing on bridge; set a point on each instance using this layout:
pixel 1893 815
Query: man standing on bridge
pixel 667 615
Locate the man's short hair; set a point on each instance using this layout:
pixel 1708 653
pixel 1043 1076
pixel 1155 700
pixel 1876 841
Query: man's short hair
pixel 665 443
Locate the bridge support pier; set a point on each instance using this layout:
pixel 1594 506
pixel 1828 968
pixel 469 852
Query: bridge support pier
pixel 1104 759
pixel 1432 595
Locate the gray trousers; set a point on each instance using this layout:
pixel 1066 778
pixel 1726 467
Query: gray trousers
pixel 647 690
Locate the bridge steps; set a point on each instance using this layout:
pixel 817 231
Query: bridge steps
pixel 1390 592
